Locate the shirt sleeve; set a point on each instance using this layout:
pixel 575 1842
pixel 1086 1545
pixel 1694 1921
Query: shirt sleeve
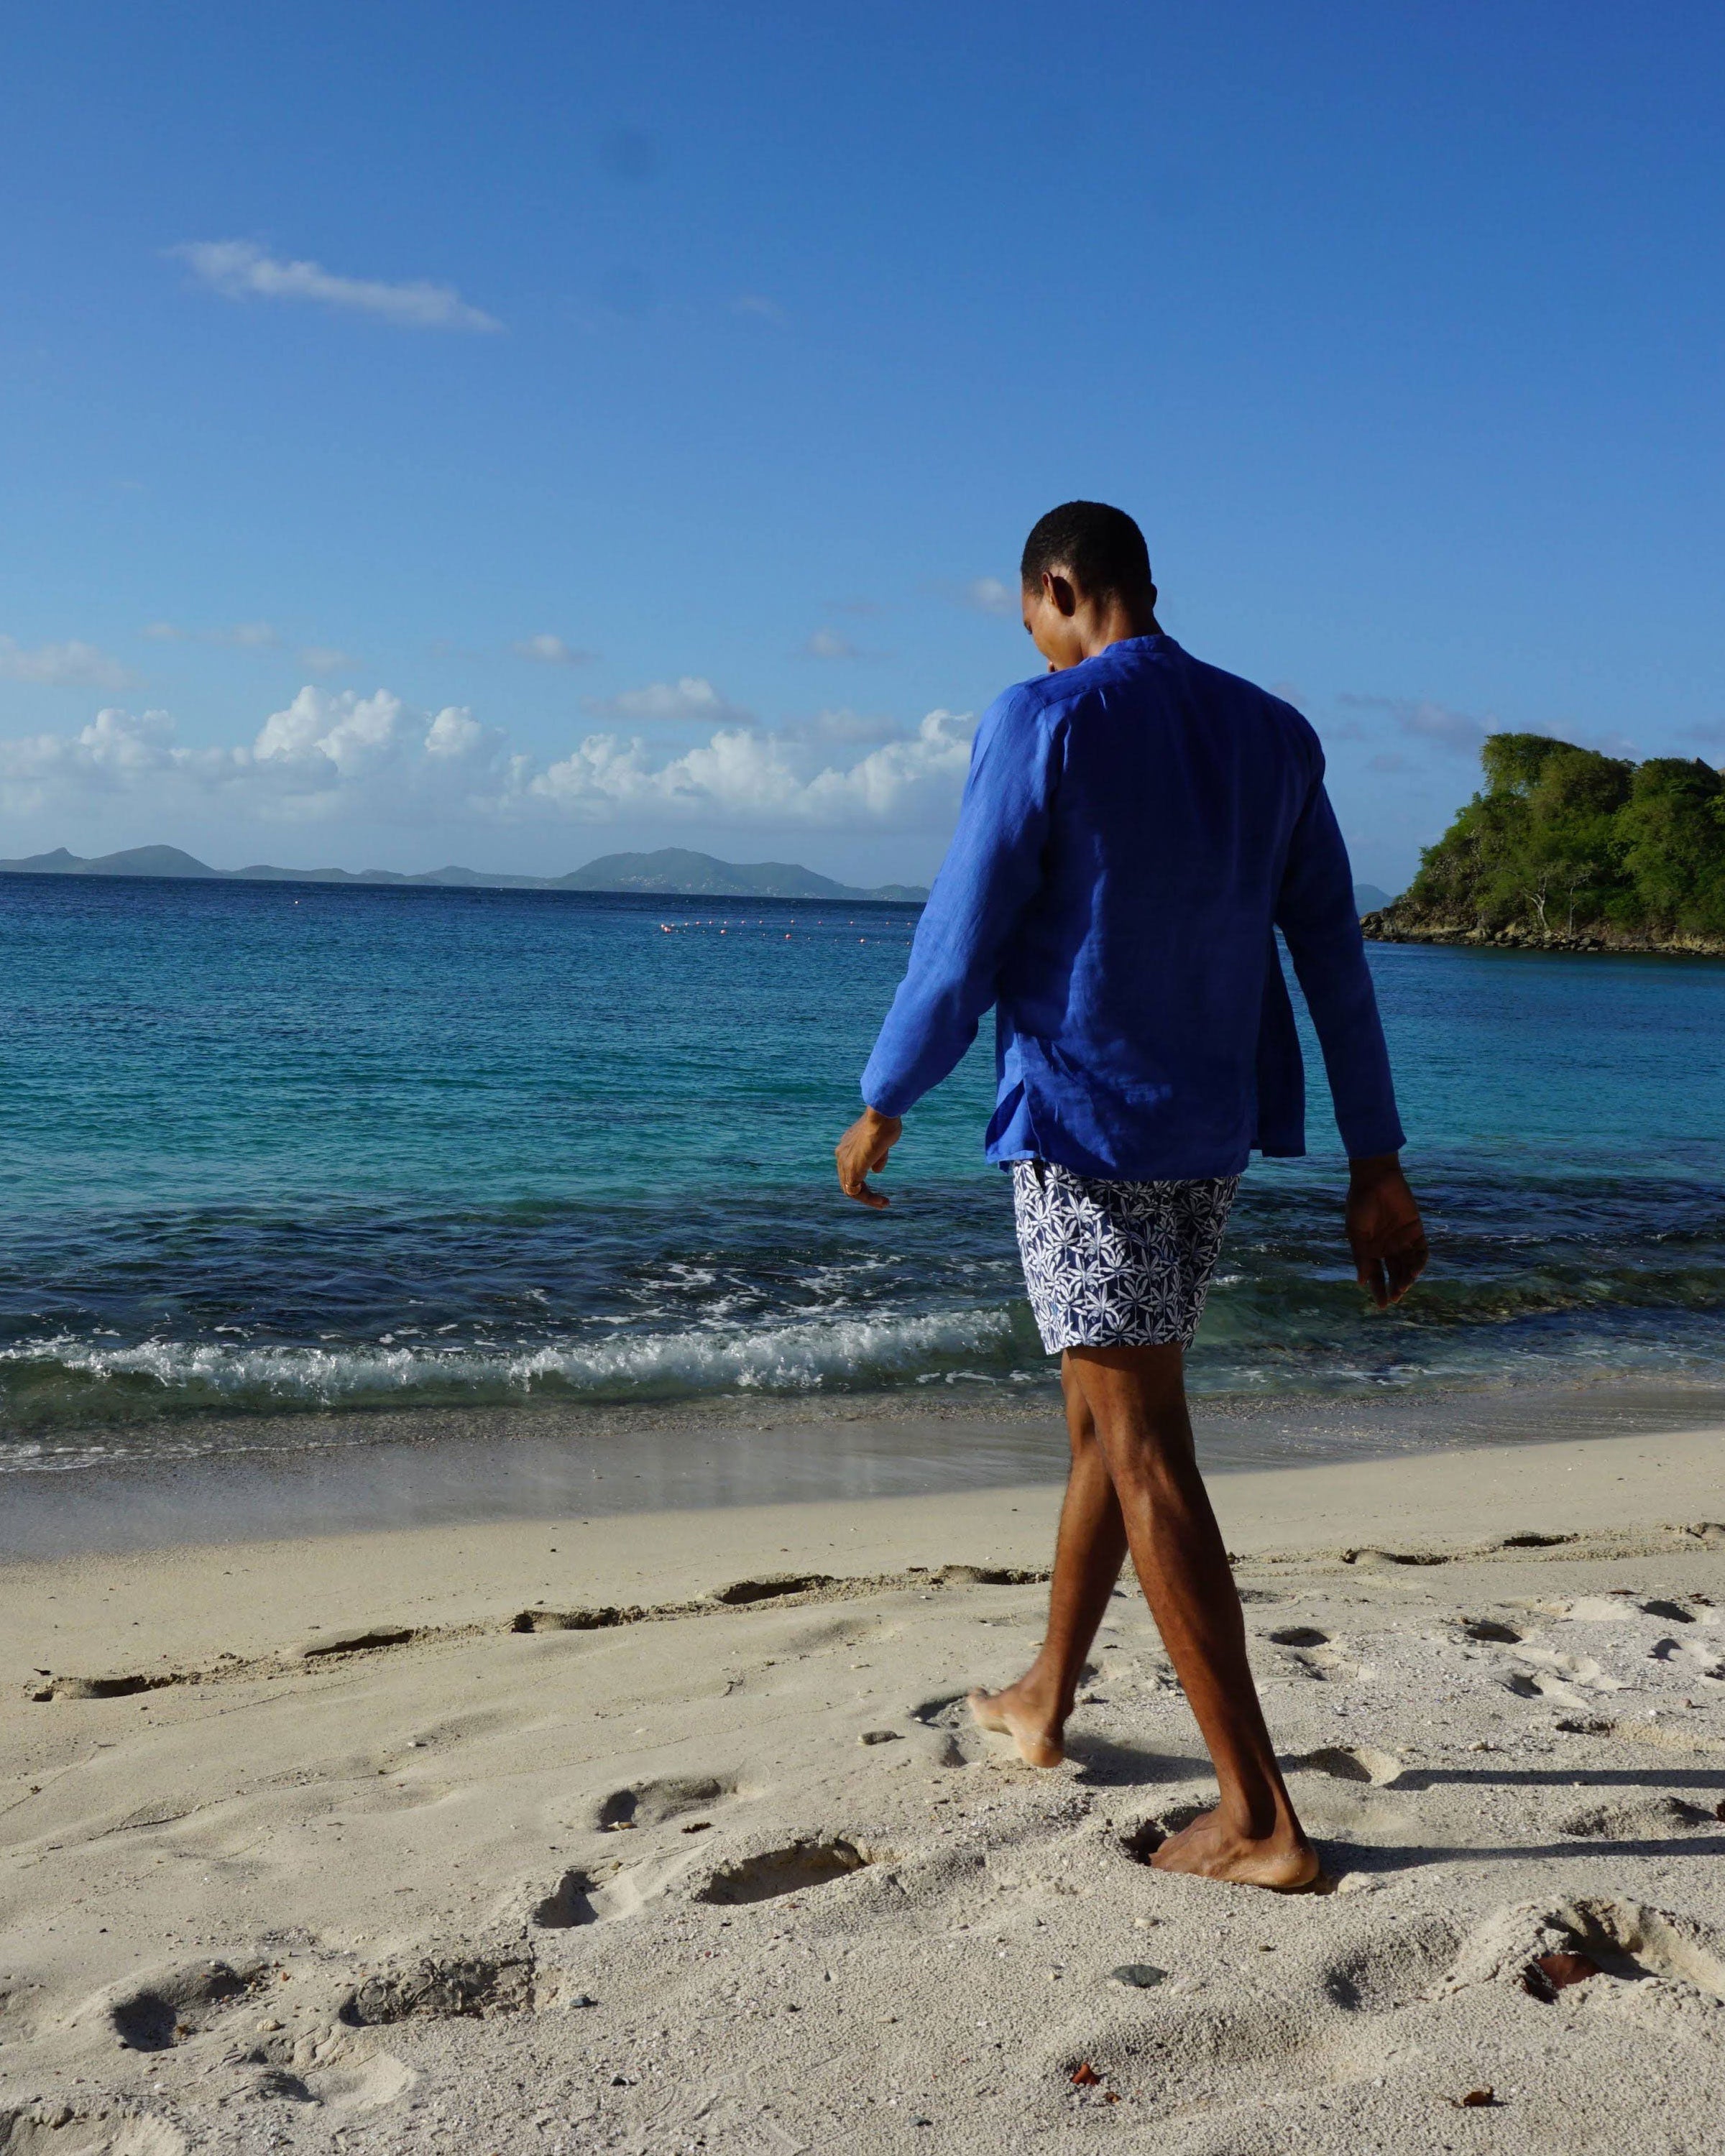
pixel 1315 915
pixel 992 871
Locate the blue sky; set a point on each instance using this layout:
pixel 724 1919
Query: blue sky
pixel 507 434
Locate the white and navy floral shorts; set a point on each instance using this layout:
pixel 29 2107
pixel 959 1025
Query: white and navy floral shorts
pixel 1113 1264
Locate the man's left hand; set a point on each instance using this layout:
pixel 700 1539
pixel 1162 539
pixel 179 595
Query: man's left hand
pixel 862 1151
pixel 1385 1230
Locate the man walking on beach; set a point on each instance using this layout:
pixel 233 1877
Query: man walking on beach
pixel 1135 827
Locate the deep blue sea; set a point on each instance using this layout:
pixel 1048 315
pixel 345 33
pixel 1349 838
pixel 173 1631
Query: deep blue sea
pixel 268 1148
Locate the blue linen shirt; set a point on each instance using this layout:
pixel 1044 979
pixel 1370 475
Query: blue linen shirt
pixel 1133 831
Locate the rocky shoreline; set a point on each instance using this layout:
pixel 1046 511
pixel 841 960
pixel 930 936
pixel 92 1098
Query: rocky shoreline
pixel 1392 925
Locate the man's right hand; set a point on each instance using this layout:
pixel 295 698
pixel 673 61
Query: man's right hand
pixel 1384 1228
pixel 862 1151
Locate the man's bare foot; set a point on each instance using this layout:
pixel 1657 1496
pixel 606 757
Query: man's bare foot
pixel 1030 1724
pixel 1283 1860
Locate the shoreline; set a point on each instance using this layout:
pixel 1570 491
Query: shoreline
pixel 365 1839
pixel 356 1576
pixel 306 1476
pixel 1469 936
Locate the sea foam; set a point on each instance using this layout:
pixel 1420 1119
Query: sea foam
pixel 847 1350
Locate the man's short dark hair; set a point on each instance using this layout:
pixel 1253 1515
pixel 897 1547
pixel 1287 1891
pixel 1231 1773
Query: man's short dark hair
pixel 1101 548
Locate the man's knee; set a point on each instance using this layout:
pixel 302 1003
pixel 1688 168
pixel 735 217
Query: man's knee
pixel 1080 1435
pixel 1152 1457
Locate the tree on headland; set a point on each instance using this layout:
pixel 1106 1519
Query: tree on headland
pixel 1564 844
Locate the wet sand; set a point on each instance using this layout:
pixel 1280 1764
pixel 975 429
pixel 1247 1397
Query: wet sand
pixel 257 1477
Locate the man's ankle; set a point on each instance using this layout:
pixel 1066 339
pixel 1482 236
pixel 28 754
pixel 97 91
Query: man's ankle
pixel 1041 1689
pixel 1259 1818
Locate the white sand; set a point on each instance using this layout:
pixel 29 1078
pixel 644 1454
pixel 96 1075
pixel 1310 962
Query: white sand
pixel 243 1909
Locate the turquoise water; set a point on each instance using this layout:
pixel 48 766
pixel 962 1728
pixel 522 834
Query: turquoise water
pixel 268 1148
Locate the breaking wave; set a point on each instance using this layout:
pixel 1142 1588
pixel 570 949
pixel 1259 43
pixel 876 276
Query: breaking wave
pixel 66 1379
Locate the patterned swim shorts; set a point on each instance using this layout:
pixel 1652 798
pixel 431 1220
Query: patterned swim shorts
pixel 1117 1264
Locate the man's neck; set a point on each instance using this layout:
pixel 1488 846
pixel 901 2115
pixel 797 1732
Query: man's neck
pixel 1116 622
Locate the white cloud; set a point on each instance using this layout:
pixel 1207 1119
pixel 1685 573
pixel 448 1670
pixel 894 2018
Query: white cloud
pixel 757 304
pixel 349 733
pixel 747 776
pixel 164 632
pixel 326 658
pixel 1422 720
pixel 988 595
pixel 331 757
pixel 552 651
pixel 688 697
pixel 453 732
pixel 61 666
pixel 239 270
pixel 828 643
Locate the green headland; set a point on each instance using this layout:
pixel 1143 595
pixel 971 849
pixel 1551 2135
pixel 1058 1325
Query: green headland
pixel 1563 848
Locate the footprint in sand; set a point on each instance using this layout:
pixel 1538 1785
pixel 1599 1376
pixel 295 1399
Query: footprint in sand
pixel 1636 1819
pixel 1690 1654
pixel 1311 1651
pixel 159 2011
pixel 598 1618
pixel 463 1985
pixel 1342 1763
pixel 1372 1558
pixel 359 1639
pixel 61 2132
pixel 367 2087
pixel 989 1575
pixel 585 1897
pixel 1141 1840
pixel 1389 1971
pixel 107 1687
pixel 772 1588
pixel 1623 1939
pixel 654 1804
pixel 1564 1680
pixel 946 1732
pixel 776 1872
pixel 276 2081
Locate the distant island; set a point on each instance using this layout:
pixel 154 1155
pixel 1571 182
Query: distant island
pixel 1566 849
pixel 672 872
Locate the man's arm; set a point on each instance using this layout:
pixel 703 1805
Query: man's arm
pixel 993 869
pixel 1315 915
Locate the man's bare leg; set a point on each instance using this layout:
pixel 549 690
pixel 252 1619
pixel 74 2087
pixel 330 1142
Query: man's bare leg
pixel 1088 1555
pixel 1137 1399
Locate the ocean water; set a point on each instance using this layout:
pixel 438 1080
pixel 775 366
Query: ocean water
pixel 272 1149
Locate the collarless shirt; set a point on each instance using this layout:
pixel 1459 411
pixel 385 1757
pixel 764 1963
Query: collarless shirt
pixel 1133 830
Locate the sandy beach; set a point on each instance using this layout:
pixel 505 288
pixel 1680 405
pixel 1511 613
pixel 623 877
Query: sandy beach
pixel 668 1832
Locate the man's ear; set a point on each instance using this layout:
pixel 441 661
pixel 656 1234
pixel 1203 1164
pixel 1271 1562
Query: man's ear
pixel 1058 592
